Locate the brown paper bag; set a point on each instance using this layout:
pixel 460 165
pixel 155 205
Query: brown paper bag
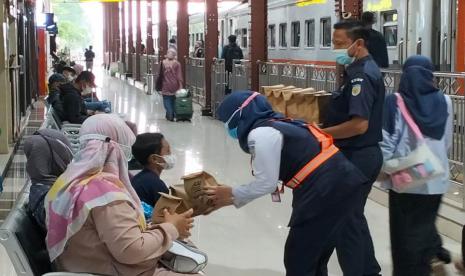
pixel 293 99
pixel 313 106
pixel 166 201
pixel 179 191
pixel 268 89
pixel 277 101
pixel 194 185
pixel 308 108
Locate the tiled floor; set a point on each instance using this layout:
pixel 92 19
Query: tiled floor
pixel 244 242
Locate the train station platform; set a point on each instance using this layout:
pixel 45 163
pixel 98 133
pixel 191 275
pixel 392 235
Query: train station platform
pixel 239 242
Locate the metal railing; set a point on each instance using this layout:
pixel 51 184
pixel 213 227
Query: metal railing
pixel 239 78
pixel 143 68
pixel 320 77
pixel 219 81
pixel 195 79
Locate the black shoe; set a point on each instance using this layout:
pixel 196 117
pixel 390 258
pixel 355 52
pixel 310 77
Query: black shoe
pixel 444 255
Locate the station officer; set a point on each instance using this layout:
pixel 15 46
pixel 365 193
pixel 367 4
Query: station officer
pixel 354 119
pixel 325 184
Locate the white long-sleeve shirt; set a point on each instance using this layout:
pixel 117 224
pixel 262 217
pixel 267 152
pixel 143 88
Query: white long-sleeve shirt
pixel 265 145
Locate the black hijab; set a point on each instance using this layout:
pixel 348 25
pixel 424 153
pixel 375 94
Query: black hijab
pixel 425 102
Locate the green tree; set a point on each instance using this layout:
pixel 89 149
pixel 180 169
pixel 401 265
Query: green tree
pixel 73 27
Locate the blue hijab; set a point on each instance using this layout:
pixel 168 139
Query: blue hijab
pixel 256 112
pixel 425 102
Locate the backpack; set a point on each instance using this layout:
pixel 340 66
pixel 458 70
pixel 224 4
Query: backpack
pixel 235 52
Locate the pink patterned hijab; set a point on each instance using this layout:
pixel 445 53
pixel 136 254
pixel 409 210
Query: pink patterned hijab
pixel 97 176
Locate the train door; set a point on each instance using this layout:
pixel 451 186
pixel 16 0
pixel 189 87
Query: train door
pixel 392 22
pixel 443 34
pixel 222 34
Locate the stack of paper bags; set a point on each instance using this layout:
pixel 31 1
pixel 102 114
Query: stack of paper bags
pixel 186 196
pixel 294 99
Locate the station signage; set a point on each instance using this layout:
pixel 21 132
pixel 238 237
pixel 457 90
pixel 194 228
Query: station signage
pixel 303 3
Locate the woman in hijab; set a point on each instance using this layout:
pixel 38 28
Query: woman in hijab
pixel 325 184
pixel 48 154
pixel 171 82
pixel 414 238
pixel 94 219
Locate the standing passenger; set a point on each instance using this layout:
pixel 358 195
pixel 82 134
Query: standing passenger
pixel 376 43
pixel 171 81
pixel 355 121
pixel 89 55
pixel 415 241
pixel 230 53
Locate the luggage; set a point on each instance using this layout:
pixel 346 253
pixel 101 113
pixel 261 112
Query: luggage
pixel 183 108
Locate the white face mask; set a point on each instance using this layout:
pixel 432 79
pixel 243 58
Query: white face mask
pixel 87 90
pixel 70 77
pixel 170 161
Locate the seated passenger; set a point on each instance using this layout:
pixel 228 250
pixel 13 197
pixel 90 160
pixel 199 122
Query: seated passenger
pixel 54 81
pixel 48 155
pixel 71 96
pixel 152 151
pixel 77 67
pixel 69 73
pixel 94 219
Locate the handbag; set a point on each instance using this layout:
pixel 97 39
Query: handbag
pixel 419 166
pixel 159 83
pixel 184 258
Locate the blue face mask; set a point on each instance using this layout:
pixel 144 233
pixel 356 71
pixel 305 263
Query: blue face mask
pixel 342 56
pixel 232 132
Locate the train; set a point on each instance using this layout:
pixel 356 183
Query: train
pixel 302 33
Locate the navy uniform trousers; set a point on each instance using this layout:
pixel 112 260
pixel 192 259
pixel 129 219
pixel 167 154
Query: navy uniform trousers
pixel 354 248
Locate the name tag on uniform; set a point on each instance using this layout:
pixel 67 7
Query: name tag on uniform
pixel 275 196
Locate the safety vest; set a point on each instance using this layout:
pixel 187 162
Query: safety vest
pixel 328 149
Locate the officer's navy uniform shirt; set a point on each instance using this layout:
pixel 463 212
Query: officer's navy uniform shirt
pixel 148 185
pixel 361 95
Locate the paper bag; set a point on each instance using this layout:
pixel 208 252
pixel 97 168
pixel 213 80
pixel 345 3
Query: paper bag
pixel 166 201
pixel 293 99
pixel 277 101
pixel 194 185
pixel 179 191
pixel 267 89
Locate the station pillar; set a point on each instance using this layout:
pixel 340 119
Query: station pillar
pixel 123 33
pixel 211 48
pixel 183 35
pixel 149 42
pixel 162 30
pixel 460 56
pixel 258 39
pixel 138 41
pixel 130 38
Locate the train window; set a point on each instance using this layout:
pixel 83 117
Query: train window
pixel 282 35
pixel 295 34
pixel 244 38
pixel 310 33
pixel 325 32
pixel 390 27
pixel 272 36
